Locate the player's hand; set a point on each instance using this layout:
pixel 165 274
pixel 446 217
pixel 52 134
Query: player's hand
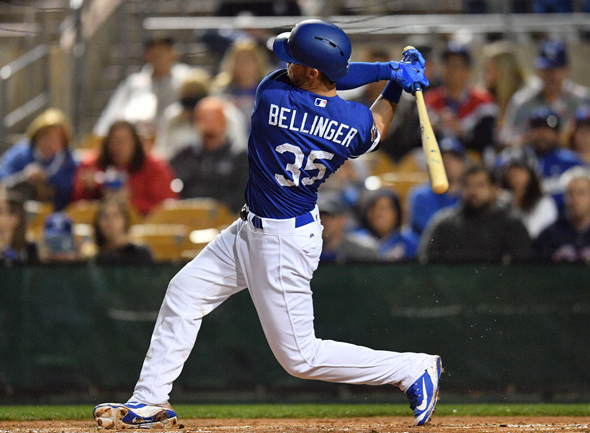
pixel 409 73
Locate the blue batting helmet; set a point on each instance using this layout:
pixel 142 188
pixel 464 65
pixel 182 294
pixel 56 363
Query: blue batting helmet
pixel 317 44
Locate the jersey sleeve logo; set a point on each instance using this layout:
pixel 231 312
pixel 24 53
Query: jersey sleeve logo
pixel 319 102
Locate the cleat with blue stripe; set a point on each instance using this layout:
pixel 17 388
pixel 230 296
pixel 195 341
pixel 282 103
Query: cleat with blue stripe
pixel 423 394
pixel 133 415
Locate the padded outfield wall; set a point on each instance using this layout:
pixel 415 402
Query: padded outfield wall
pixel 499 329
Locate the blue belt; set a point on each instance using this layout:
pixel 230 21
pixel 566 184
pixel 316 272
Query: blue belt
pixel 300 221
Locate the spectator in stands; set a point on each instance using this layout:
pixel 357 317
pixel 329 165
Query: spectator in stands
pixel 458 109
pixel 14 248
pixel 242 69
pixel 552 6
pixel 144 95
pixel 568 239
pixel 579 140
pixel 502 74
pixel 520 176
pixel 122 168
pixel 542 138
pixel 553 90
pixel 58 244
pixel 212 168
pixel 176 128
pixel 339 244
pixel 371 91
pixel 423 203
pixel 477 230
pixel 381 220
pixel 111 228
pixel 42 167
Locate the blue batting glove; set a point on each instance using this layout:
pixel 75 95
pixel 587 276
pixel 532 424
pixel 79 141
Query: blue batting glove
pixel 409 73
pixel 413 55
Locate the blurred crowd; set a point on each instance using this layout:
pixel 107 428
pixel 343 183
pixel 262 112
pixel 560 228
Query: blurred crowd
pixel 169 164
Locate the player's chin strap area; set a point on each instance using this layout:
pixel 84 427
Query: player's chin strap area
pixel 256 221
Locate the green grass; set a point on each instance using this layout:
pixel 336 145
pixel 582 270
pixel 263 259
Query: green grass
pixel 27 413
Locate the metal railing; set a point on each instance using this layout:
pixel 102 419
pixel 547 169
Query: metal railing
pixel 391 24
pixel 33 104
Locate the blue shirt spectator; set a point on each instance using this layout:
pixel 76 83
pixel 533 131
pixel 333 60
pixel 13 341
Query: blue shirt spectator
pixel 42 167
pixel 381 221
pixel 423 202
pixel 568 240
pixel 543 137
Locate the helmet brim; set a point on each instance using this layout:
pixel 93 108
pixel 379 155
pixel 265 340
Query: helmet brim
pixel 281 48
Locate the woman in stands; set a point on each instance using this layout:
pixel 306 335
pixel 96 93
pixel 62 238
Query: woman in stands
pixel 14 248
pixel 381 220
pixel 521 177
pixel 111 229
pixel 123 169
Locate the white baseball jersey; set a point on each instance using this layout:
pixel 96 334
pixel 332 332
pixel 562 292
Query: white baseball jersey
pixel 298 138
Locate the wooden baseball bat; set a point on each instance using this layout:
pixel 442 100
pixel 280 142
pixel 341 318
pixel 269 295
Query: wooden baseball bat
pixel 438 177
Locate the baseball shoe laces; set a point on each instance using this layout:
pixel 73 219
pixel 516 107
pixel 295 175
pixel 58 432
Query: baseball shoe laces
pixel 134 415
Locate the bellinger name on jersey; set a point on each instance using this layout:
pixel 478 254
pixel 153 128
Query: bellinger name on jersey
pixel 323 127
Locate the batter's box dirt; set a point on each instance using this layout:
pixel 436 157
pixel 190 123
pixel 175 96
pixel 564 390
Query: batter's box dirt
pixel 324 425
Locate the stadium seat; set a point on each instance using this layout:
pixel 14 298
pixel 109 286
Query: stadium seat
pixel 196 214
pixel 84 212
pixel 35 212
pixel 166 241
pixel 402 182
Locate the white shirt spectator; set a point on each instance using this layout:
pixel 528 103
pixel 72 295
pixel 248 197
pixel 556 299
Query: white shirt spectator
pixel 140 98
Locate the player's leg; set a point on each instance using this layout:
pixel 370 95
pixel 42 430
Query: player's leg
pixel 279 282
pixel 196 290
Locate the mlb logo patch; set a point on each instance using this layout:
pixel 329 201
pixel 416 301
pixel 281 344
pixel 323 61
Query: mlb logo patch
pixel 320 102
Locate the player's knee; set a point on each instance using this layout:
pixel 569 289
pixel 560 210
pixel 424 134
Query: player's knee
pixel 298 368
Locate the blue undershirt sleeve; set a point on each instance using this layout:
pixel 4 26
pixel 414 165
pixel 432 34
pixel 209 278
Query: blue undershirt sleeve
pixel 361 73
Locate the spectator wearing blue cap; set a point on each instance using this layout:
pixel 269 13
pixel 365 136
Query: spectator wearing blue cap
pixel 459 109
pixel 339 244
pixel 553 89
pixel 58 244
pixel 520 178
pixel 423 203
pixel 579 140
pixel 543 138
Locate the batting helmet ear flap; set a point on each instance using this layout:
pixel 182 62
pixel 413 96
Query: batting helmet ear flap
pixel 317 44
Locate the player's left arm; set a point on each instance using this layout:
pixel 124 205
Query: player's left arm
pixel 362 73
pixel 408 76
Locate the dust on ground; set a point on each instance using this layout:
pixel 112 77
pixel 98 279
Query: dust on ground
pixel 325 425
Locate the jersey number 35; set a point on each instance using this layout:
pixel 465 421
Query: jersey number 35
pixel 295 167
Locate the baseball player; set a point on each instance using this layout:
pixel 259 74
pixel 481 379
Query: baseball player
pixel 302 131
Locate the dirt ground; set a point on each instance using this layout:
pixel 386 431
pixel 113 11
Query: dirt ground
pixel 364 425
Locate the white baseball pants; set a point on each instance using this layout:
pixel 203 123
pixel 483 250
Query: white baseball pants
pixel 276 263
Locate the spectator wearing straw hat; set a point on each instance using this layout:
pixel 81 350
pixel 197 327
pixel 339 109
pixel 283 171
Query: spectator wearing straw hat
pixel 42 167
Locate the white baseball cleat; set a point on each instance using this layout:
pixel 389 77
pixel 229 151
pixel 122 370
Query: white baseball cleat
pixel 133 415
pixel 423 394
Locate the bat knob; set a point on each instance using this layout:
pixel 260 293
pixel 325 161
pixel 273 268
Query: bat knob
pixel 440 187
